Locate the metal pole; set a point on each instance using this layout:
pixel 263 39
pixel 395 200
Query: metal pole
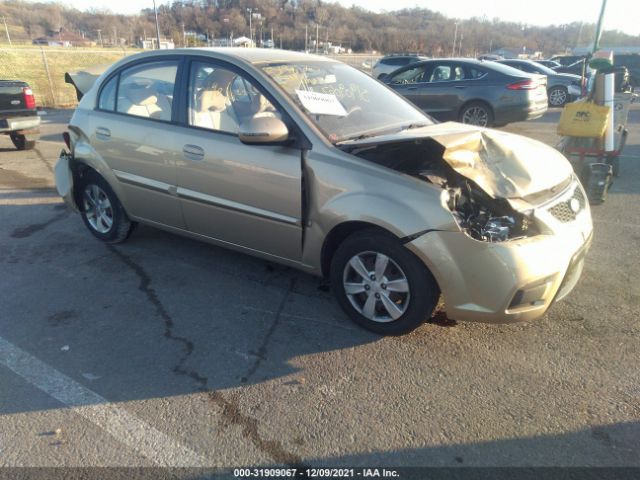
pixel 46 69
pixel 250 27
pixel 455 38
pixel 596 42
pixel 6 29
pixel 155 12
pixel 317 29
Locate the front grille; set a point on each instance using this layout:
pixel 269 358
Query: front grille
pixel 562 211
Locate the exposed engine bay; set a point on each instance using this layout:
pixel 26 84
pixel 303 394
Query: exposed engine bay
pixel 479 215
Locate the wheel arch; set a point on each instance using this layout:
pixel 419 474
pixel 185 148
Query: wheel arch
pixel 339 234
pixel 477 100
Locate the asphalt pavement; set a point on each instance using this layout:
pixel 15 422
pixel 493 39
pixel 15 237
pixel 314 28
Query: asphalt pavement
pixel 163 351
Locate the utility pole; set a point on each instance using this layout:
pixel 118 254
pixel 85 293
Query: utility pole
pixel 306 34
pixel 250 10
pixel 184 36
pixel 6 29
pixel 317 30
pixel 155 12
pixel 100 37
pixel 455 38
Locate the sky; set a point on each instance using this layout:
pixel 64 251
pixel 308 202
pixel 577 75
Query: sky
pixel 620 14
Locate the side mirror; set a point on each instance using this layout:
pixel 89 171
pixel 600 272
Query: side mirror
pixel 263 131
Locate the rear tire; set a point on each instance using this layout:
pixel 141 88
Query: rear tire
pixel 21 142
pixel 102 212
pixel 381 285
pixel 477 113
pixel 558 96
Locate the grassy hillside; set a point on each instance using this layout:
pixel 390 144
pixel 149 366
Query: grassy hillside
pixel 28 64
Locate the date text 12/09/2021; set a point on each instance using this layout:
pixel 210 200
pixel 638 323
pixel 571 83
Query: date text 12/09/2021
pixel 315 473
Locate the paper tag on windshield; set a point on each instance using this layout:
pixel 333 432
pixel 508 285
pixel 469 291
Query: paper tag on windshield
pixel 321 103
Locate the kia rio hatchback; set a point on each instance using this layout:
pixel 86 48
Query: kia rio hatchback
pixel 305 161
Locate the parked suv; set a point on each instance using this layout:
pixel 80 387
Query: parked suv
pixel 306 161
pixel 389 63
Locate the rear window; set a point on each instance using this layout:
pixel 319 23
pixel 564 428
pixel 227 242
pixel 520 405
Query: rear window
pixel 396 61
pixel 504 69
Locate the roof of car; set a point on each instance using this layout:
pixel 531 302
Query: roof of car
pixel 251 55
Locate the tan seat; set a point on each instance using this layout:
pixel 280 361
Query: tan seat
pixel 142 101
pixel 213 112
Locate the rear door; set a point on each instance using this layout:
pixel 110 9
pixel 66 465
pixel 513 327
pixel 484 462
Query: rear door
pixel 244 195
pixel 439 89
pixel 131 130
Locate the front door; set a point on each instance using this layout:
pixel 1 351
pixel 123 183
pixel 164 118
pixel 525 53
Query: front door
pixel 249 196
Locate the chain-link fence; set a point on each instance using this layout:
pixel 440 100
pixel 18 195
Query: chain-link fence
pixel 361 61
pixel 44 68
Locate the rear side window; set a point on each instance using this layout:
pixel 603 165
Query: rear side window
pixel 472 72
pixel 147 90
pixel 108 95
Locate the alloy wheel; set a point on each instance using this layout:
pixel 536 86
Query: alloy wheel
pixel 557 97
pixel 476 116
pixel 98 209
pixel 376 286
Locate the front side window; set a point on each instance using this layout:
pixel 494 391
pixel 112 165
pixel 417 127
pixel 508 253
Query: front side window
pixel 409 76
pixel 342 101
pixel 220 99
pixel 147 90
pixel 441 73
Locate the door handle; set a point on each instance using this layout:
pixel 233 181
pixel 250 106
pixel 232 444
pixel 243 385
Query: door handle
pixel 193 152
pixel 412 88
pixel 460 87
pixel 103 133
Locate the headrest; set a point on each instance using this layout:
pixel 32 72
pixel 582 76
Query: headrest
pixel 140 95
pixel 212 100
pixel 219 78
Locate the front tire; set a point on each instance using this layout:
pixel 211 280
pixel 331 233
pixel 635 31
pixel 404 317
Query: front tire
pixel 558 96
pixel 21 143
pixel 381 285
pixel 477 113
pixel 102 212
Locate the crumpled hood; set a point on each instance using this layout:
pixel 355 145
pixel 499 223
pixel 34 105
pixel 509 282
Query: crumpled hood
pixel 503 164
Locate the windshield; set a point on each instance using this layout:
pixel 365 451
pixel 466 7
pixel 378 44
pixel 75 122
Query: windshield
pixel 344 102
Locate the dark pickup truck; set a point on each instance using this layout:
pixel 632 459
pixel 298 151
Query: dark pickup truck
pixel 18 116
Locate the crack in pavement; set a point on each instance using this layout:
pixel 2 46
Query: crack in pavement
pixel 24 232
pixel 262 351
pixel 230 407
pixel 43 160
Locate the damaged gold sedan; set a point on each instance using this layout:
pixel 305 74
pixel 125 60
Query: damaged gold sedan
pixel 308 162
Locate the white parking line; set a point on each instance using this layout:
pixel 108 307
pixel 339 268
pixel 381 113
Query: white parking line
pixel 123 426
